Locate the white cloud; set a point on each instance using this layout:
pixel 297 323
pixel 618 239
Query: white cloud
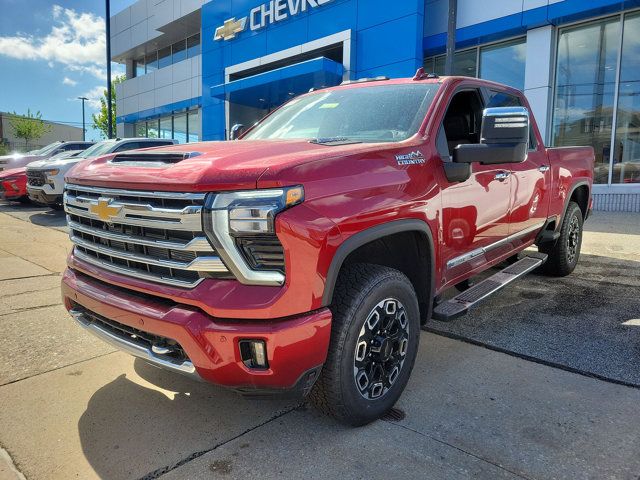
pixel 94 95
pixel 76 40
pixel 68 81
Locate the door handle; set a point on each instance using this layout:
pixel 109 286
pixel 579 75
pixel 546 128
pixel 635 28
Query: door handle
pixel 543 168
pixel 502 176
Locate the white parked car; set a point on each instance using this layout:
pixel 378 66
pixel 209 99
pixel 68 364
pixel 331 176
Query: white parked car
pixel 45 178
pixel 17 160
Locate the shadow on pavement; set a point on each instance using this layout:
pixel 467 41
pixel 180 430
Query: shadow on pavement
pixel 130 428
pixel 51 218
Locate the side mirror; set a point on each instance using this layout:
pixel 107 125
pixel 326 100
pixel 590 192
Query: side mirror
pixel 236 131
pixel 504 138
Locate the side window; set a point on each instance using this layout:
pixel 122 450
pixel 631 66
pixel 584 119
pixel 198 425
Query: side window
pixel 442 146
pixel 461 124
pixel 501 99
pixel 127 146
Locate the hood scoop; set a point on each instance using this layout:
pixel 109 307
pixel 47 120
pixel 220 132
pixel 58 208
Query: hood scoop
pixel 151 159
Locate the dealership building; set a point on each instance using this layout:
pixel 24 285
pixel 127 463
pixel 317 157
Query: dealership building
pixel 196 68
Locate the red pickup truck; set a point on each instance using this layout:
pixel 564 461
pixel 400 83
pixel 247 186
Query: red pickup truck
pixel 306 256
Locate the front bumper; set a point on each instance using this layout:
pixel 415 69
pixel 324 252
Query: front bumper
pixel 10 190
pixel 40 195
pixel 296 346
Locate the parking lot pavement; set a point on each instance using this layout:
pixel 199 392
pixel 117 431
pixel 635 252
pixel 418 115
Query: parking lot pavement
pixel 71 407
pixel 588 322
pixel 35 214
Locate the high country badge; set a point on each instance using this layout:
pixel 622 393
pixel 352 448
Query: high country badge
pixel 413 158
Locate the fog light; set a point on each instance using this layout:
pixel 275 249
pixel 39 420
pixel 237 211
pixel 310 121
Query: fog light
pixel 254 353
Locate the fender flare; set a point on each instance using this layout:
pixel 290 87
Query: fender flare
pixel 359 239
pixel 577 185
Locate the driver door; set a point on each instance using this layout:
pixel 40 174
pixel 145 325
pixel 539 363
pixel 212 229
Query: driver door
pixel 475 213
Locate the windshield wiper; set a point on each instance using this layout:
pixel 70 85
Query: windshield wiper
pixel 333 141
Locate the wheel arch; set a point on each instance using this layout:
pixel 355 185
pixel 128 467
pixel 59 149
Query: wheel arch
pixel 580 193
pixel 407 235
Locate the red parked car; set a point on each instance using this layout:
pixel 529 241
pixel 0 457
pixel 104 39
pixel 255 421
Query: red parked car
pixel 13 184
pixel 306 256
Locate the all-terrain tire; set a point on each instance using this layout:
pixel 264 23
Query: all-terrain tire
pixel 360 290
pixel 565 252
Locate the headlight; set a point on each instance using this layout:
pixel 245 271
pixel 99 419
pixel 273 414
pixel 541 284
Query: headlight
pixel 231 215
pixel 52 172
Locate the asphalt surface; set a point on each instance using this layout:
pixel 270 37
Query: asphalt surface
pixel 72 407
pixel 588 322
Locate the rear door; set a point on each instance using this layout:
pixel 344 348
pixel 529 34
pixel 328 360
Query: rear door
pixel 475 213
pixel 530 180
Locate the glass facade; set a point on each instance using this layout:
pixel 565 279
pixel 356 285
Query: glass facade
pixel 597 95
pixel 179 51
pixel 501 62
pixel 182 126
pixel 504 63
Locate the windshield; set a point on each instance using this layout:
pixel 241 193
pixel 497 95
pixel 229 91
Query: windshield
pixel 383 113
pixel 48 149
pixel 97 149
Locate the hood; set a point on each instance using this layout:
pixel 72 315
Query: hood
pixel 46 163
pixel 11 161
pixel 229 165
pixel 13 172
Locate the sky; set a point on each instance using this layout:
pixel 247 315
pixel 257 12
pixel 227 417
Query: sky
pixel 50 54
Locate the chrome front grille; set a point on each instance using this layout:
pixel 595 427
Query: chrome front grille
pixel 153 236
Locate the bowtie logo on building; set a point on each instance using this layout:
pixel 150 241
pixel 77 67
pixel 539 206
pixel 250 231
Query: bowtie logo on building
pixel 265 14
pixel 230 29
pixel 104 210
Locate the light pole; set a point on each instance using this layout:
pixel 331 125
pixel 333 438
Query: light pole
pixel 109 93
pixel 84 130
pixel 451 36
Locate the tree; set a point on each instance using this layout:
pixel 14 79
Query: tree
pixel 29 126
pixel 100 119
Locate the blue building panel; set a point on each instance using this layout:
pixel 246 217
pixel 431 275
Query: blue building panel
pixel 388 41
pixel 557 14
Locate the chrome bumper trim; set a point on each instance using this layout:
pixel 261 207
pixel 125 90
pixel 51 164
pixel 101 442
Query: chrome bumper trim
pixel 184 368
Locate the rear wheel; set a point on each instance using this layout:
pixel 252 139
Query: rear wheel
pixel 565 252
pixel 374 341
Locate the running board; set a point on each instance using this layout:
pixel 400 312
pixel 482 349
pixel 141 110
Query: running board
pixel 461 303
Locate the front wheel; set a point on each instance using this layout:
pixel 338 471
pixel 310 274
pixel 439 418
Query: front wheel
pixel 565 252
pixel 374 341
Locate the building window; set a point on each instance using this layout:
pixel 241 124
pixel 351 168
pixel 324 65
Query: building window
pixel 194 134
pixel 141 129
pixel 501 62
pixel 166 127
pixel 151 62
pixel 138 67
pixel 164 57
pixel 193 46
pixel 179 51
pixel 504 63
pixel 175 53
pixel 597 95
pixel 626 155
pixel 181 126
pixel 152 129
